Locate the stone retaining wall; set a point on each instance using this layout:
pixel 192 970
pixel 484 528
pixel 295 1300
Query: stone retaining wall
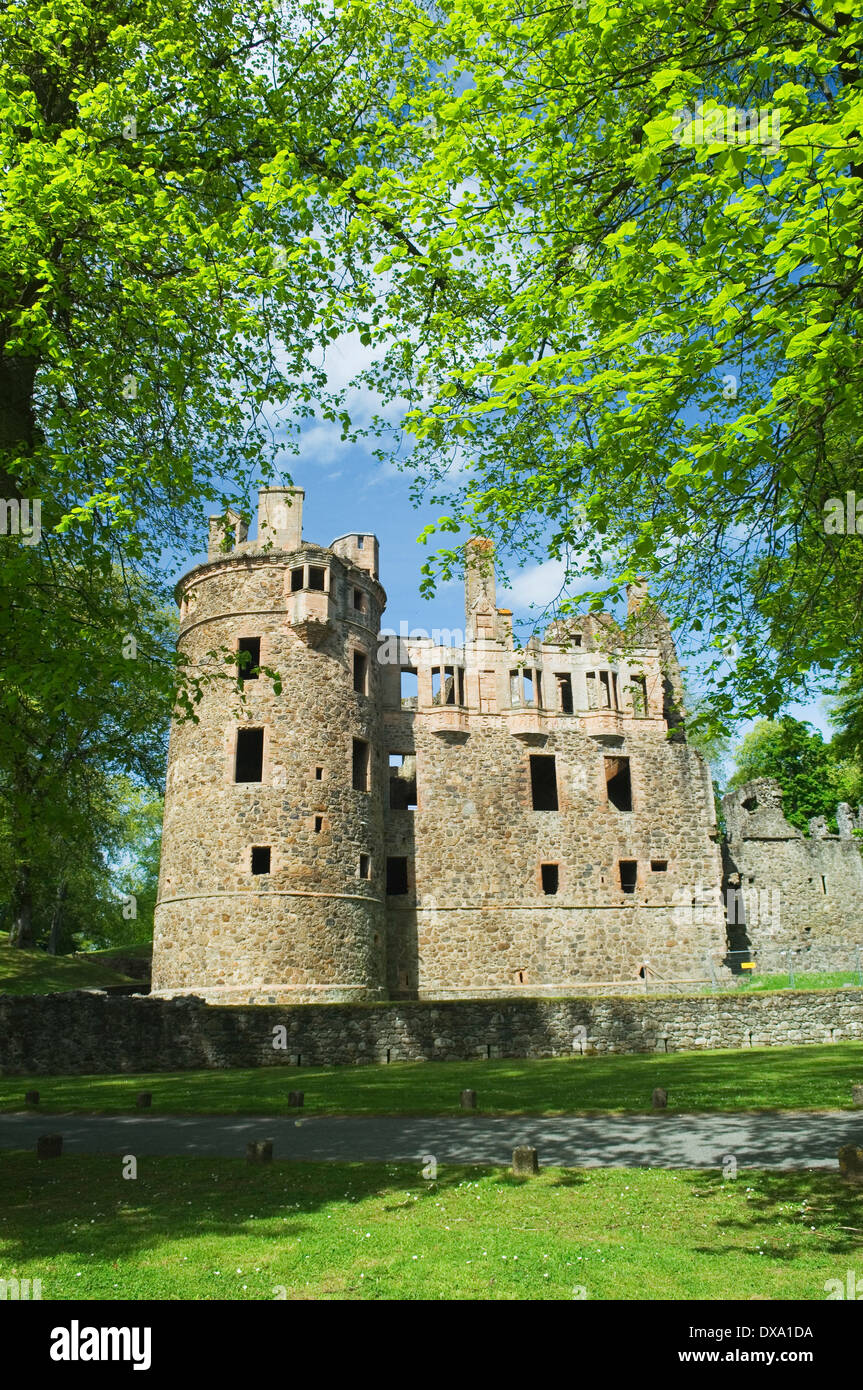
pixel 86 1033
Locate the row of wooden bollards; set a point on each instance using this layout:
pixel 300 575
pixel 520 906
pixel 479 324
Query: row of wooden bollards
pixel 525 1160
pixel 144 1099
pixel 659 1099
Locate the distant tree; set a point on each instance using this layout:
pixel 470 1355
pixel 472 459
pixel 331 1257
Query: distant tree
pixel 813 775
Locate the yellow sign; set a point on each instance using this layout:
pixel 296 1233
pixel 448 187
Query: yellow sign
pixel 747 965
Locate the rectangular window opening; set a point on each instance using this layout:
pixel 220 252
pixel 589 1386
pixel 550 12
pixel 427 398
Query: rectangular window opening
pixel 823 884
pixel 260 859
pixel 317 577
pixel 460 682
pixel 527 682
pixel 538 675
pixel 515 688
pixel 361 666
pixel 403 782
pixel 319 824
pixel 564 692
pixel 360 769
pixel 397 875
pixel 249 762
pixel 365 869
pixel 409 687
pixel 628 875
pixel 659 866
pixel 359 600
pixel 543 782
pixel 550 878
pixel 618 783
pixel 361 542
pixel 604 690
pixel 249 652
pixel 319 774
pixel 639 697
pixel 592 693
pixel 449 685
pixel 297 576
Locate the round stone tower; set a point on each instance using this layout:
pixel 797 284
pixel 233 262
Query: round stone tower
pixel 272 876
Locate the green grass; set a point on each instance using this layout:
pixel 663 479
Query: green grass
pixel 827 980
pixel 222 1229
pixel 774 1078
pixel 35 972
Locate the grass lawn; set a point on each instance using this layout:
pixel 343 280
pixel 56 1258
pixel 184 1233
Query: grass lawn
pixel 773 1078
pixel 35 972
pixel 221 1229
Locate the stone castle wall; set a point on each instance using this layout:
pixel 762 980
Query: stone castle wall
pixel 791 892
pixel 91 1033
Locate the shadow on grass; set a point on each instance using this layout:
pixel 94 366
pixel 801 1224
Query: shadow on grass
pixel 82 1206
pixel 813 1077
pixel 832 1207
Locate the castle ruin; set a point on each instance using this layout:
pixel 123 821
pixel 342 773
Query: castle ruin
pixel 394 818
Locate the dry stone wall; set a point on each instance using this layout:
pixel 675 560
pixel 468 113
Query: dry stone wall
pixel 85 1033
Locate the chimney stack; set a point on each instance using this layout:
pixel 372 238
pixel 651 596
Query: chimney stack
pixel 479 581
pixel 280 517
pixel 636 595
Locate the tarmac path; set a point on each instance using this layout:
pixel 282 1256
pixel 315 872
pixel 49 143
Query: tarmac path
pixel 666 1140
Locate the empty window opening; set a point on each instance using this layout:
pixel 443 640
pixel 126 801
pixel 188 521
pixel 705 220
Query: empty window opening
pixel 403 781
pixel 543 782
pixel 397 875
pixel 628 875
pixel 317 577
pixel 444 689
pixel 550 878
pixel 618 783
pixel 365 869
pixel 361 667
pixel 615 690
pixel 297 579
pixel 515 687
pixel 564 692
pixel 409 687
pixel 527 683
pixel 319 824
pixel 639 697
pixel 538 683
pixel 361 542
pixel 249 652
pixel 319 774
pixel 360 770
pixel 459 672
pixel 751 803
pixel 604 690
pixel 249 764
pixel 659 866
pixel 260 859
pixel 823 884
pixel 359 600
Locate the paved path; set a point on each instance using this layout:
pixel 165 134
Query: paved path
pixel 780 1140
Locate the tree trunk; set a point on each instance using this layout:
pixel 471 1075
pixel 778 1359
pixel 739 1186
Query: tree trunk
pixel 21 931
pixel 57 917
